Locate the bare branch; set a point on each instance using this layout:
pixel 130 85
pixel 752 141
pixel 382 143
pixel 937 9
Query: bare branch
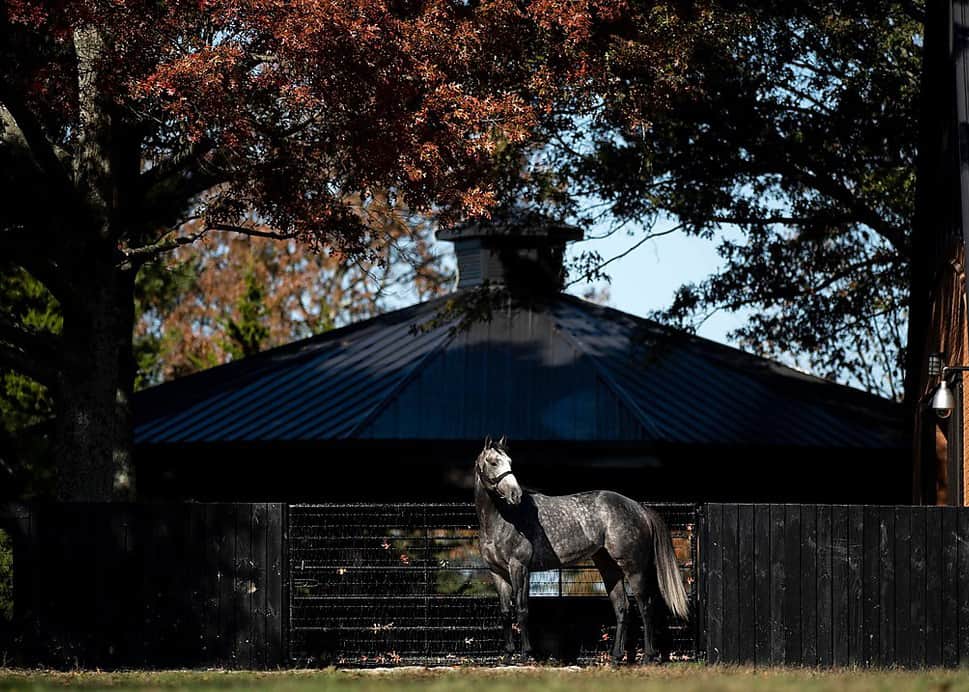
pixel 649 236
pixel 169 242
pixel 783 220
pixel 246 230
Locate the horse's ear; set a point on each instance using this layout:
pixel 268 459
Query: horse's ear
pixel 503 442
pixel 487 441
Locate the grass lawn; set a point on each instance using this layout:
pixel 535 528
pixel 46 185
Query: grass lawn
pixel 674 678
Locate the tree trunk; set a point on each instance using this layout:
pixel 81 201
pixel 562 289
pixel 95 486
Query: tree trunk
pixel 93 433
pixel 93 428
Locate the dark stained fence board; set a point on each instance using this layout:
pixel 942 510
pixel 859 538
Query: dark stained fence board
pixel 917 580
pixel 886 587
pixel 275 601
pixel 838 585
pixel 258 595
pixel 824 595
pixel 746 612
pixel 225 538
pixel 950 588
pixel 778 585
pixel 871 609
pixel 792 585
pixel 809 585
pixel 212 582
pixel 963 586
pixel 840 628
pixel 762 585
pixel 902 587
pixel 856 625
pixel 933 586
pixel 731 570
pixel 198 644
pixel 242 586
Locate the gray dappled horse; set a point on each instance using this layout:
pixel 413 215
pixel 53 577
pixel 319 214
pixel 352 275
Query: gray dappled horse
pixel 521 532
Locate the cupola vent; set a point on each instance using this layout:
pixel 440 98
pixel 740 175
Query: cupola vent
pixel 521 249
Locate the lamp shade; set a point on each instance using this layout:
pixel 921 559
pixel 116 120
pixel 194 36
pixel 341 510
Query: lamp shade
pixel 943 402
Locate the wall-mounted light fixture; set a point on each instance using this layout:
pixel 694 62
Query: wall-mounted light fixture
pixel 943 401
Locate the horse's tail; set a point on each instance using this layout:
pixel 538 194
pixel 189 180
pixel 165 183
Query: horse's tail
pixel 668 572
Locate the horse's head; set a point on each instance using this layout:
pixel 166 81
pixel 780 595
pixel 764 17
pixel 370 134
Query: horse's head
pixel 493 467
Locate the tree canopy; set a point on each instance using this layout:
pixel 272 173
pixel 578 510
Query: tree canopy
pixel 134 128
pixel 226 297
pixel 791 140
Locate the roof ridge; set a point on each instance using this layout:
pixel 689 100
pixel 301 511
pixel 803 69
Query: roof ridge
pixel 606 375
pixel 415 369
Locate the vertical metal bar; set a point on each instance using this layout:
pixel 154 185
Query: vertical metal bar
pixel 427 587
pixel 696 573
pixel 287 588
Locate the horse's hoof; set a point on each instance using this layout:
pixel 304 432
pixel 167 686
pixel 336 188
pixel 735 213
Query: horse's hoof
pixel 653 660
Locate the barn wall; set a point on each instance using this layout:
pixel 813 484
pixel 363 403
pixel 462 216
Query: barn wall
pixel 441 471
pixel 938 470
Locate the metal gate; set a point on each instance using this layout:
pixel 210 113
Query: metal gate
pixel 384 584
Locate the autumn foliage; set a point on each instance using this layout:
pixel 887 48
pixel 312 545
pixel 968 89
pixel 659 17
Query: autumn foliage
pixel 131 128
pixel 226 297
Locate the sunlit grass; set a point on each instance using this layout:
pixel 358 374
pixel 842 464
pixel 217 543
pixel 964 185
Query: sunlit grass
pixel 674 678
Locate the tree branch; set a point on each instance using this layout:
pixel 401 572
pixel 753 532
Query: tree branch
pixel 18 360
pixel 895 236
pixel 588 274
pixel 28 352
pixel 18 120
pixel 31 250
pixel 245 230
pixel 144 253
pixel 177 163
pixel 784 220
pixel 43 343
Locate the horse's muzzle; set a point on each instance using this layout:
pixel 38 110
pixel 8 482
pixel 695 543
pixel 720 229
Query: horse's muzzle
pixel 511 492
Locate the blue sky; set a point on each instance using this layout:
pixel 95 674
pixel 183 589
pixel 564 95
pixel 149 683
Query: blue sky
pixel 646 279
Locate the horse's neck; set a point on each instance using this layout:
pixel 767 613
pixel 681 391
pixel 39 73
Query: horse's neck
pixel 484 504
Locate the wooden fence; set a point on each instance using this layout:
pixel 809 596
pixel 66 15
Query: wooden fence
pixel 150 585
pixel 206 584
pixel 836 585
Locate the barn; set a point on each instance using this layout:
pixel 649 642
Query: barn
pixel 311 505
pixel 395 407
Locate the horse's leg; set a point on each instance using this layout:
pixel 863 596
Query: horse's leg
pixel 612 579
pixel 507 612
pixel 519 587
pixel 645 590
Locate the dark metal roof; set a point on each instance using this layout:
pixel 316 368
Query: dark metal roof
pixel 519 224
pixel 568 370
